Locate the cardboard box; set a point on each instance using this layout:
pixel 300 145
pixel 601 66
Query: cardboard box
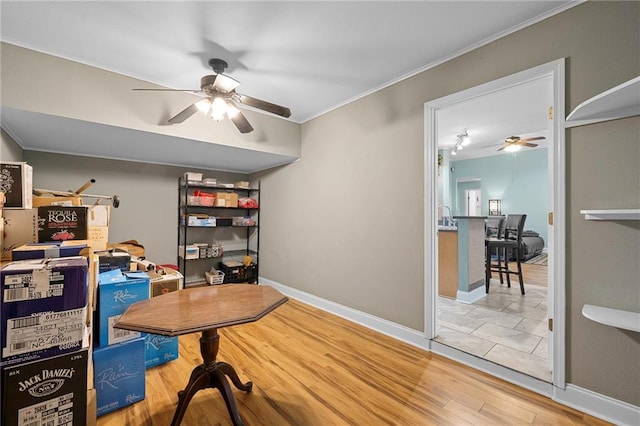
pixel 49 250
pixel 160 349
pixel 98 221
pixel 160 284
pixel 43 308
pixel 20 227
pixel 17 184
pixel 226 199
pixel 113 259
pixel 50 200
pixel 92 407
pixel 132 247
pixel 119 375
pixel 201 220
pixel 51 391
pixel 59 223
pixel 189 252
pixel 193 176
pixel 116 292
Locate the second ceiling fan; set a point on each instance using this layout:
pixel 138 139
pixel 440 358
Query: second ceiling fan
pixel 514 143
pixel 220 99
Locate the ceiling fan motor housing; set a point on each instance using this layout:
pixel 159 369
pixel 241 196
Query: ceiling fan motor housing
pixel 217 83
pixel 218 65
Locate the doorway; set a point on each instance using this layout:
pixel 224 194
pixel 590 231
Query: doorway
pixel 554 74
pixel 472 200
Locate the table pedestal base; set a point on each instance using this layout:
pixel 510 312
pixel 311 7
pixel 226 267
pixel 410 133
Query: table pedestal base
pixel 211 374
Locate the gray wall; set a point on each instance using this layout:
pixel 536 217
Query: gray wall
pixel 346 222
pixel 148 195
pixel 9 149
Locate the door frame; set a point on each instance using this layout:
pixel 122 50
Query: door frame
pixel 557 230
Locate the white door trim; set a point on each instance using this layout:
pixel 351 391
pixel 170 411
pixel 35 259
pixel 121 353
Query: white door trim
pixel 556 71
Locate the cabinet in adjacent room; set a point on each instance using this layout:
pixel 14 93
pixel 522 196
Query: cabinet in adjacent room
pixel 218 232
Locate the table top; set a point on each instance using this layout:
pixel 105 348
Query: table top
pixel 202 308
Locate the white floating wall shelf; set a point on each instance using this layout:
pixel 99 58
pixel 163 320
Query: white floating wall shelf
pixel 613 317
pixel 618 102
pixel 618 214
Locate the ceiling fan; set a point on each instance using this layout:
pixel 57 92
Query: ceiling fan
pixel 220 99
pixel 515 143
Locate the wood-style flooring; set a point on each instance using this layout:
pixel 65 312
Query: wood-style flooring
pixel 310 367
pixel 534 274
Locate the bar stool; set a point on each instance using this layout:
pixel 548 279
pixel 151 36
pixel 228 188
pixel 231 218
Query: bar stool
pixel 506 245
pixel 494 227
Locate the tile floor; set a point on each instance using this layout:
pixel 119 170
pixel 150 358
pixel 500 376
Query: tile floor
pixel 504 327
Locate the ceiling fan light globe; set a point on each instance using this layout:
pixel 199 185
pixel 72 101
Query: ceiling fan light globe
pixel 513 148
pixel 204 106
pixel 218 109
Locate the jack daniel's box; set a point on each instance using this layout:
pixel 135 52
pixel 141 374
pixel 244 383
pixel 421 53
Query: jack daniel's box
pixel 51 391
pixel 61 223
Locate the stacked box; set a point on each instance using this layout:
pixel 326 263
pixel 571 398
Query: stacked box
pixel 119 375
pixel 43 308
pixel 16 181
pixel 61 223
pixel 161 349
pixel 226 199
pixel 116 292
pixel 51 391
pixel 168 282
pixel 98 220
pixel 48 250
pixel 114 259
pixel 20 227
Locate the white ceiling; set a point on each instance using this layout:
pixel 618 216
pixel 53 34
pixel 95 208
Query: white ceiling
pixel 309 56
pixel 520 110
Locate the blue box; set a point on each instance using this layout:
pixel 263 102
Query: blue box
pixel 44 306
pixel 46 250
pixel 160 349
pixel 50 391
pixel 119 375
pixel 116 292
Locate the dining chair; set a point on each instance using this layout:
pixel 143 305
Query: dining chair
pixel 507 245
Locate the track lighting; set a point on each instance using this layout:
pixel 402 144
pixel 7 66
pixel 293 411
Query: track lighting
pixel 462 140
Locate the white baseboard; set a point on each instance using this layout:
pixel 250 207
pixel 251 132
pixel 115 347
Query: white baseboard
pixel 598 405
pixel 595 404
pixel 471 296
pixel 397 331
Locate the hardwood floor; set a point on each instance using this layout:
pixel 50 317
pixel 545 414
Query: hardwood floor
pixel 534 274
pixel 310 367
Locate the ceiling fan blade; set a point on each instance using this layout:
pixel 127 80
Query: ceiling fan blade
pixel 263 105
pixel 241 123
pixel 184 114
pixel 491 146
pixel 168 90
pixel 530 145
pixel 537 138
pixel 502 147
